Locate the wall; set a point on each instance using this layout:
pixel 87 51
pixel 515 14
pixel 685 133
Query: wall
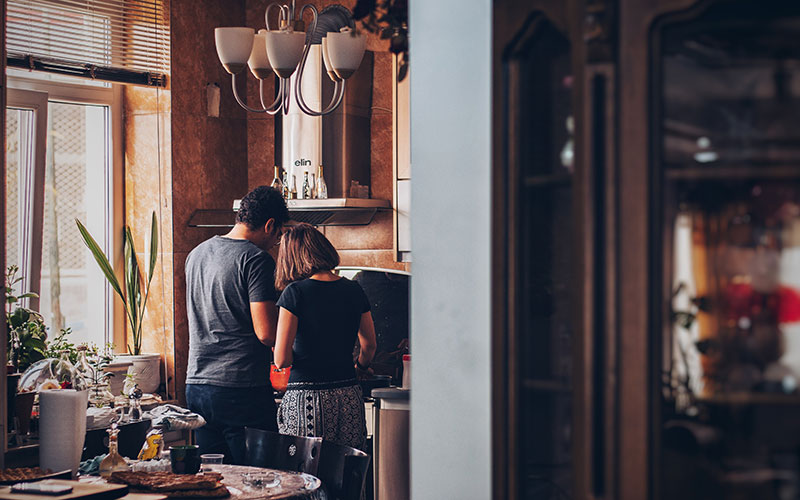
pixel 209 154
pixel 451 289
pixel 148 189
pixel 218 159
pixel 370 246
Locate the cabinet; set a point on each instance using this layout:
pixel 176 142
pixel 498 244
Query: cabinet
pixel 546 441
pixel 646 326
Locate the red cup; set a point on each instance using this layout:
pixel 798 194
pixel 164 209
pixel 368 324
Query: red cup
pixel 279 377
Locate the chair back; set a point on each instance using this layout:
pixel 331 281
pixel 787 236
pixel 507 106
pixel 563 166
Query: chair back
pixel 342 470
pixel 279 451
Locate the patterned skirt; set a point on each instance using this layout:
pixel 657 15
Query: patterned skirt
pixel 332 411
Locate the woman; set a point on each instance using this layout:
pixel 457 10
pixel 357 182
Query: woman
pixel 320 317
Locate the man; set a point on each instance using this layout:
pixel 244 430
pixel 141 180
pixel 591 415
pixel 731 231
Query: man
pixel 230 298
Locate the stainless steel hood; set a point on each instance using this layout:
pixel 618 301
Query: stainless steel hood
pixel 328 212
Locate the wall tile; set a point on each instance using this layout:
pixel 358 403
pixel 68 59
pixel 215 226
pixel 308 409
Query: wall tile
pixel 378 235
pixel 371 258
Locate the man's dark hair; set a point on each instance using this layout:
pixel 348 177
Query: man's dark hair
pixel 260 205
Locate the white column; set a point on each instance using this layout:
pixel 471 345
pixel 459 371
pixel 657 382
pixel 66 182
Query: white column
pixel 450 212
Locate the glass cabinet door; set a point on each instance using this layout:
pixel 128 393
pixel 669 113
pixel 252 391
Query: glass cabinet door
pixel 726 251
pixel 540 224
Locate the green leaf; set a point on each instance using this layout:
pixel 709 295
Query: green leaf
pixel 153 248
pixel 133 285
pixel 100 258
pixel 37 343
pixel 29 295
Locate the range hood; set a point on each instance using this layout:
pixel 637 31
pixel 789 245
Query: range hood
pixel 328 212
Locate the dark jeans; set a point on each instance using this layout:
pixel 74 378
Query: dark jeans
pixel 227 411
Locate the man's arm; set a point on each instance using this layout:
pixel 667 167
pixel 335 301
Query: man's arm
pixel 265 321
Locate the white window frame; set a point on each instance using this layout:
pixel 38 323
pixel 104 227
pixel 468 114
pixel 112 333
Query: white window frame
pixel 31 188
pixel 112 185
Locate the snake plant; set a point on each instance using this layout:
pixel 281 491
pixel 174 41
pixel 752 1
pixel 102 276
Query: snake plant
pixel 132 297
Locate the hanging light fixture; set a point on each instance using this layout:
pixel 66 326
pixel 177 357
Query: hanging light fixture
pixel 285 50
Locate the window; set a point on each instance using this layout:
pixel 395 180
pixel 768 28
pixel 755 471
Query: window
pixel 112 40
pixel 60 167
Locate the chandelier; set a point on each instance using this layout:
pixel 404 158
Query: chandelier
pixel 284 51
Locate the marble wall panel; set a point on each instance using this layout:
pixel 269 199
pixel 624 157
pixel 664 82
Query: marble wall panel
pixel 209 154
pixel 372 258
pixel 148 189
pixel 378 236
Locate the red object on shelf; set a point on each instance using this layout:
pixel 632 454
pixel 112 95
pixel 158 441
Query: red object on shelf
pixel 279 377
pixel 789 309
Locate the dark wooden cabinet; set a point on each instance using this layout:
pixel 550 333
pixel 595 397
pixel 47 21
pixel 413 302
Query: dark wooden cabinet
pixel 647 302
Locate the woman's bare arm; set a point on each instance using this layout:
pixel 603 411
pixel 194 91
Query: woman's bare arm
pixel 287 329
pixel 366 339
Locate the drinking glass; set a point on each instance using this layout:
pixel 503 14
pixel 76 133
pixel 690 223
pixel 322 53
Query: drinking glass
pixel 210 461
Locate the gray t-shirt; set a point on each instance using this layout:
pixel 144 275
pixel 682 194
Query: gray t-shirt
pixel 223 276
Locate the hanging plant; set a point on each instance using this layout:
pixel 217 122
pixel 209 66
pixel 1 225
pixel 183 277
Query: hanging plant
pixel 389 19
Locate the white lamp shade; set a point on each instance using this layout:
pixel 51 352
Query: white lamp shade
pixel 259 62
pixel 233 47
pixel 345 51
pixel 332 74
pixel 285 49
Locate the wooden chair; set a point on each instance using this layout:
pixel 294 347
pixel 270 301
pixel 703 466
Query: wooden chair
pixel 279 451
pixel 342 470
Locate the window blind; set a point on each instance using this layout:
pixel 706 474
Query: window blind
pixel 115 40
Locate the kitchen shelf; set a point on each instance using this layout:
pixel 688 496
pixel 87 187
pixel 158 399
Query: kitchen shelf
pixel 739 172
pixel 329 212
pixel 546 385
pixel 552 180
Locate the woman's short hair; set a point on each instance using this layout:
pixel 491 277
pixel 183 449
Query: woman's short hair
pixel 304 251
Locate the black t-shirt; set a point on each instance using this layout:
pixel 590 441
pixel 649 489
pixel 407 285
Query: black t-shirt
pixel 329 315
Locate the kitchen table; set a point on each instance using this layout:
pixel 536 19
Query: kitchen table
pixel 289 485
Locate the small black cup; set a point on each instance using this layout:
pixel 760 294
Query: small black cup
pixel 185 459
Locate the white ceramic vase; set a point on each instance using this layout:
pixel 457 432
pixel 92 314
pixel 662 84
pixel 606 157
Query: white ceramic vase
pixel 119 368
pixel 146 370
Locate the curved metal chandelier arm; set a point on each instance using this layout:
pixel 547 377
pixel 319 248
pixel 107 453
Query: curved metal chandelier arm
pixel 298 94
pixel 275 107
pixel 286 95
pixel 336 100
pixel 239 99
pixel 283 15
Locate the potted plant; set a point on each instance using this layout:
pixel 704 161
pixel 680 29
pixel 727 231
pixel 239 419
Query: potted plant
pixel 27 333
pixel 27 344
pixel 134 290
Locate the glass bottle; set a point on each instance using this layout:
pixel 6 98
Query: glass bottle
pixel 113 461
pixel 85 370
pixel 277 183
pixel 313 185
pixel 306 187
pixel 293 189
pixel 64 372
pixel 322 188
pixel 285 184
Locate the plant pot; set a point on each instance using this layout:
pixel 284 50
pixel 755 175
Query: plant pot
pixel 23 406
pixel 12 381
pixel 146 370
pixel 119 368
